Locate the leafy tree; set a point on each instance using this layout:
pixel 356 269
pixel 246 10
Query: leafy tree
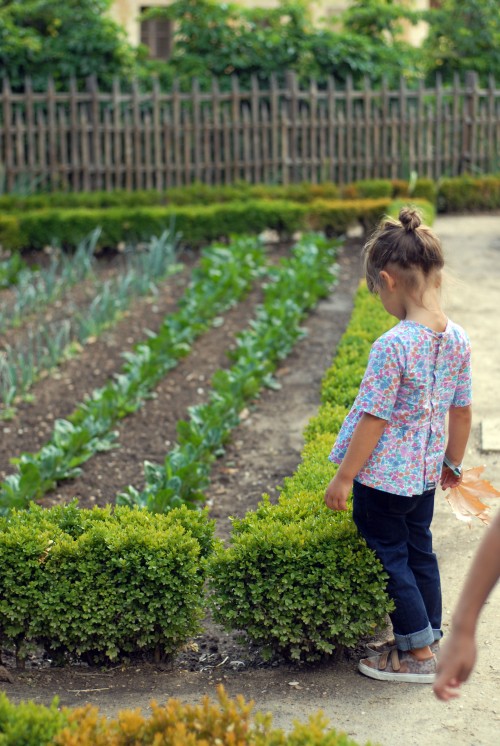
pixel 213 39
pixel 221 40
pixel 464 35
pixel 61 38
pixel 379 20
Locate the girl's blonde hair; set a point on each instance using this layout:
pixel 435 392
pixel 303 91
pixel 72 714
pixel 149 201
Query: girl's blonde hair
pixel 405 243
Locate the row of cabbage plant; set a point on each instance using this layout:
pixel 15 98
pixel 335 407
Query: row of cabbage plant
pixel 294 287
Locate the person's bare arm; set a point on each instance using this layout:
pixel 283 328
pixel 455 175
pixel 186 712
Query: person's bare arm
pixel 458 656
pixel 460 419
pixel 367 434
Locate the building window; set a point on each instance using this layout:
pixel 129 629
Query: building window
pixel 157 35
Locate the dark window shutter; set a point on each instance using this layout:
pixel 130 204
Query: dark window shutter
pixel 156 34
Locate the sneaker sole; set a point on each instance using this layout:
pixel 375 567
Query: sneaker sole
pixel 408 678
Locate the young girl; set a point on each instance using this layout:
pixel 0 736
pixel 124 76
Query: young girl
pixel 391 447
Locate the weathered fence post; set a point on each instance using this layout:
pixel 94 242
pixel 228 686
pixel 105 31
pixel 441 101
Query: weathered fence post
pixel 7 136
pixel 96 166
pixel 469 122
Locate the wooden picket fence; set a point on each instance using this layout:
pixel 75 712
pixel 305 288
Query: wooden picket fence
pixel 272 133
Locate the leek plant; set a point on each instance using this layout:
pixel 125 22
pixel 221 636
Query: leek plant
pixel 11 270
pixel 45 347
pixel 35 291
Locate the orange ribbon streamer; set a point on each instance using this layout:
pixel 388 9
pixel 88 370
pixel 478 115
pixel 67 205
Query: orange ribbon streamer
pixel 466 500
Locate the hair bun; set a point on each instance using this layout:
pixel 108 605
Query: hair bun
pixel 409 218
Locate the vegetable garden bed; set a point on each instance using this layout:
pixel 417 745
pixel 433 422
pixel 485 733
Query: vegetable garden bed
pixel 258 457
pixel 182 387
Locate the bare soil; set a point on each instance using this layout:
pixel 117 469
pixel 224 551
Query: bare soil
pixel 264 449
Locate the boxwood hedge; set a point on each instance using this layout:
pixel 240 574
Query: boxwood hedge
pixel 101 584
pixel 296 577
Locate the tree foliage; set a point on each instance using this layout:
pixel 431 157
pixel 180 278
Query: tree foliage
pixel 62 39
pixel 65 38
pixel 464 35
pixel 220 40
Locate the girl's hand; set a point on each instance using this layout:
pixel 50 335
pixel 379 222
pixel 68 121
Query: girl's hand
pixel 337 493
pixel 449 480
pixel 455 663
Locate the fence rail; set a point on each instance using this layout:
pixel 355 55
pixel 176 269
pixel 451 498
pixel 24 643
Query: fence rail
pixel 84 141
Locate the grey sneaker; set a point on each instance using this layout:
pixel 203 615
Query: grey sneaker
pixel 394 665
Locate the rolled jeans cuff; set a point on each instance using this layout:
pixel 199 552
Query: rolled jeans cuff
pixel 416 639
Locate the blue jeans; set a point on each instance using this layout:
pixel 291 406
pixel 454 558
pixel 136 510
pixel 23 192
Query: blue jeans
pixel 398 530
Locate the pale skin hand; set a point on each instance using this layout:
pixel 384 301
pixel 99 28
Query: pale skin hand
pixel 367 434
pixel 458 655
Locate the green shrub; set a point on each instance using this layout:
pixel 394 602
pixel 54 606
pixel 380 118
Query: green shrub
pixel 194 194
pixel 425 189
pixel 373 188
pixel 29 724
pixel 300 585
pixel 468 194
pixel 396 188
pixel 102 584
pixel 456 194
pixel 226 722
pixel 334 217
pixel 196 224
pixel 10 235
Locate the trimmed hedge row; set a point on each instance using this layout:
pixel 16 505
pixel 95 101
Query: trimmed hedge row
pixel 202 194
pixel 197 224
pixel 227 722
pixel 296 577
pixel 467 193
pixel 455 194
pixel 101 585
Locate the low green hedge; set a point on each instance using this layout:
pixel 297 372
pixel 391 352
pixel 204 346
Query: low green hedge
pixel 202 194
pixel 194 194
pixel 30 724
pixel 197 224
pixel 296 577
pixel 469 194
pixel 101 585
pixel 461 193
pixel 227 722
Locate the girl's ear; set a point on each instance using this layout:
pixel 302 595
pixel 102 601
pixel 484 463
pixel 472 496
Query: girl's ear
pixel 387 280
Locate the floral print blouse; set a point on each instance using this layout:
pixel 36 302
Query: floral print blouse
pixel 414 376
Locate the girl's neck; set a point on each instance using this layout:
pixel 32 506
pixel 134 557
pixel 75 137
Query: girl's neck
pixel 427 312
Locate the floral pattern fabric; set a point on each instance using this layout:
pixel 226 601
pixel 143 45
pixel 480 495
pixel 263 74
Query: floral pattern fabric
pixel 414 375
